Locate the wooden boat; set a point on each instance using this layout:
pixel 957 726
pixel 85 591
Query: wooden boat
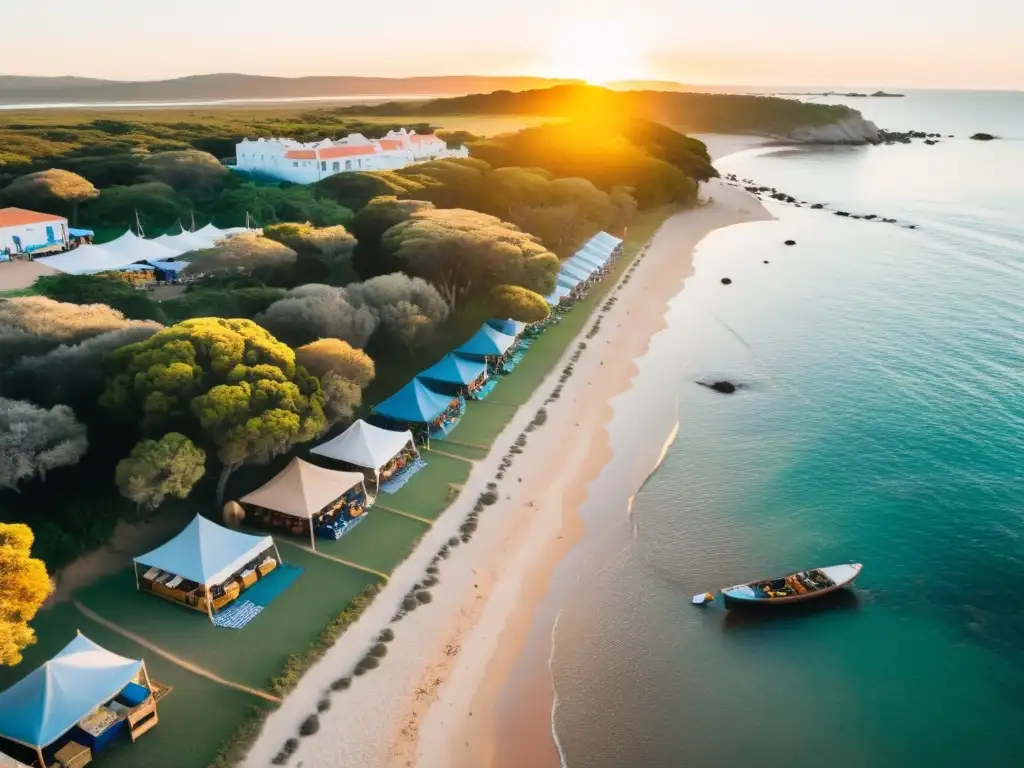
pixel 794 588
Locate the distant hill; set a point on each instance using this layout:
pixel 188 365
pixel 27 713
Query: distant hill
pixel 689 112
pixel 33 90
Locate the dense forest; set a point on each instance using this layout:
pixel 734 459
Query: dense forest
pixel 691 112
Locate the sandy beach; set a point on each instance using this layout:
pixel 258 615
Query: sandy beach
pixel 433 700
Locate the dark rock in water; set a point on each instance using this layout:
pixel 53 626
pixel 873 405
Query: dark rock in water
pixel 930 141
pixel 842 213
pixel 791 242
pixel 726 281
pixel 983 137
pixel 766 261
pixel 725 387
pixel 870 216
pixel 911 226
pixel 817 206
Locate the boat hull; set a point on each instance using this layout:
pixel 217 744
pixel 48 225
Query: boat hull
pixel 733 597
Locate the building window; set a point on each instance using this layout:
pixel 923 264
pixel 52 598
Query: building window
pixel 360 163
pixel 336 166
pixel 295 163
pixel 348 165
pixel 323 165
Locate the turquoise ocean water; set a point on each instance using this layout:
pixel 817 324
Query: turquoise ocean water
pixel 882 422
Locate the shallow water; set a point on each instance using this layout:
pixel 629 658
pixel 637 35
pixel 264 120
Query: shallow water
pixel 882 421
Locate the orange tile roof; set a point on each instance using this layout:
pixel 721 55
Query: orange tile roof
pixel 13 217
pixel 300 154
pixel 391 143
pixel 425 137
pixel 347 150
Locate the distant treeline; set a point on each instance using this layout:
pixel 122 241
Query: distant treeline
pixel 696 112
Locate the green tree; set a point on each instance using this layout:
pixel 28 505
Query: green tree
pixel 156 469
pixel 186 170
pixel 156 203
pixel 244 253
pixel 23 590
pixel 314 311
pixel 407 308
pixel 44 188
pixel 35 441
pixel 369 226
pixel 226 384
pixel 335 356
pixel 461 252
pixel 518 303
pixel 99 289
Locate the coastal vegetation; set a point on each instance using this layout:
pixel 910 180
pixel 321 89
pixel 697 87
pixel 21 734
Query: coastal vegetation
pixel 124 411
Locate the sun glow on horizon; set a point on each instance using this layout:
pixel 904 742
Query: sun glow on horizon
pixel 597 52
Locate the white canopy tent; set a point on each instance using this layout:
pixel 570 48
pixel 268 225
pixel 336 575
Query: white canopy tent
pixel 184 242
pixel 131 245
pixel 365 445
pixel 87 260
pixel 210 232
pixel 206 553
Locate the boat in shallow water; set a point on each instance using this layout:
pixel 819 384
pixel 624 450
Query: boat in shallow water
pixel 794 588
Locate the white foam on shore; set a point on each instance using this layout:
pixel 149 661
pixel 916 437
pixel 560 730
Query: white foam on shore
pixel 554 696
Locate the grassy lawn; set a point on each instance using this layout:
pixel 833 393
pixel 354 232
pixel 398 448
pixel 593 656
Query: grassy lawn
pixel 252 655
pixel 200 715
pixel 195 718
pixel 430 490
pixel 381 541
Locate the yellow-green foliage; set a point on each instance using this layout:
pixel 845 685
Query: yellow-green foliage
pixel 228 383
pixel 517 303
pixel 170 466
pixel 24 586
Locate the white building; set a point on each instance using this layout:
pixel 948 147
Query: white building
pixel 300 163
pixel 24 231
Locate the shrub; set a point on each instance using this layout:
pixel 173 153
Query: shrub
pixel 488 498
pixel 309 726
pixel 424 596
pixel 386 635
pixel 429 581
pixel 409 603
pixel 341 684
pixel 453 541
pixel 359 671
pixel 379 650
pixel 370 662
pixel 323 705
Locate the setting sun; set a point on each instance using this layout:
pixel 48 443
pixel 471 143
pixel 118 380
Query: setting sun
pixel 597 52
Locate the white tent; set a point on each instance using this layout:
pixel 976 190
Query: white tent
pixel 87 260
pixel 210 232
pixel 365 445
pixel 131 245
pixel 184 242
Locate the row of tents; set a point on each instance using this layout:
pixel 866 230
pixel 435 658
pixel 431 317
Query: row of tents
pixel 208 567
pixel 129 251
pixel 584 266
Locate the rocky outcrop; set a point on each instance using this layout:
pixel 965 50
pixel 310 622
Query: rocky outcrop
pixel 983 137
pixel 725 387
pixel 853 129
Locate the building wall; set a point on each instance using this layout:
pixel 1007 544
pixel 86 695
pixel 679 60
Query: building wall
pixel 32 234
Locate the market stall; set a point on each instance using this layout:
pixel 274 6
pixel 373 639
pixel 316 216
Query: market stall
pixel 417 407
pixel 386 453
pixel 307 500
pixel 75 705
pixel 456 375
pixel 206 566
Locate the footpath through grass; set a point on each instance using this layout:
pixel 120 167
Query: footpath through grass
pixel 200 716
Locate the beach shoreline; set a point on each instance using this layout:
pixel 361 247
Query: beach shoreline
pixel 443 670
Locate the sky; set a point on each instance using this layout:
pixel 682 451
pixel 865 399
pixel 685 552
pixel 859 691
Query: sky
pixel 883 43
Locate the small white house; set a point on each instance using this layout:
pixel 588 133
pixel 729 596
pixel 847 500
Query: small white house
pixel 301 163
pixel 29 232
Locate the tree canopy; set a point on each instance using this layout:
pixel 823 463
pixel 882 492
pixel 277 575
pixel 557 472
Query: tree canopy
pixel 325 356
pixel 369 226
pixel 33 325
pixel 35 441
pixel 186 170
pixel 156 204
pixel 460 251
pixel 44 188
pixel 313 312
pixel 156 469
pixel 518 303
pixel 23 589
pixel 406 307
pixel 227 384
pixel 99 289
pixel 242 253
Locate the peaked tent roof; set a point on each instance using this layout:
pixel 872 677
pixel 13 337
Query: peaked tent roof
pixel 589 257
pixel 184 242
pixel 302 489
pixel 46 703
pixel 87 260
pixel 452 369
pixel 138 249
pixel 365 445
pixel 508 327
pixel 557 295
pixel 210 232
pixel 567 280
pixel 574 270
pixel 205 552
pixel 415 402
pixel 486 342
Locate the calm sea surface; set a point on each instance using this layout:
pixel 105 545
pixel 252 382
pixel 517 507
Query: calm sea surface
pixel 882 422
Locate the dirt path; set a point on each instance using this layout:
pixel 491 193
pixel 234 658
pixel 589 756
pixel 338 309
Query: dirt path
pixel 188 665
